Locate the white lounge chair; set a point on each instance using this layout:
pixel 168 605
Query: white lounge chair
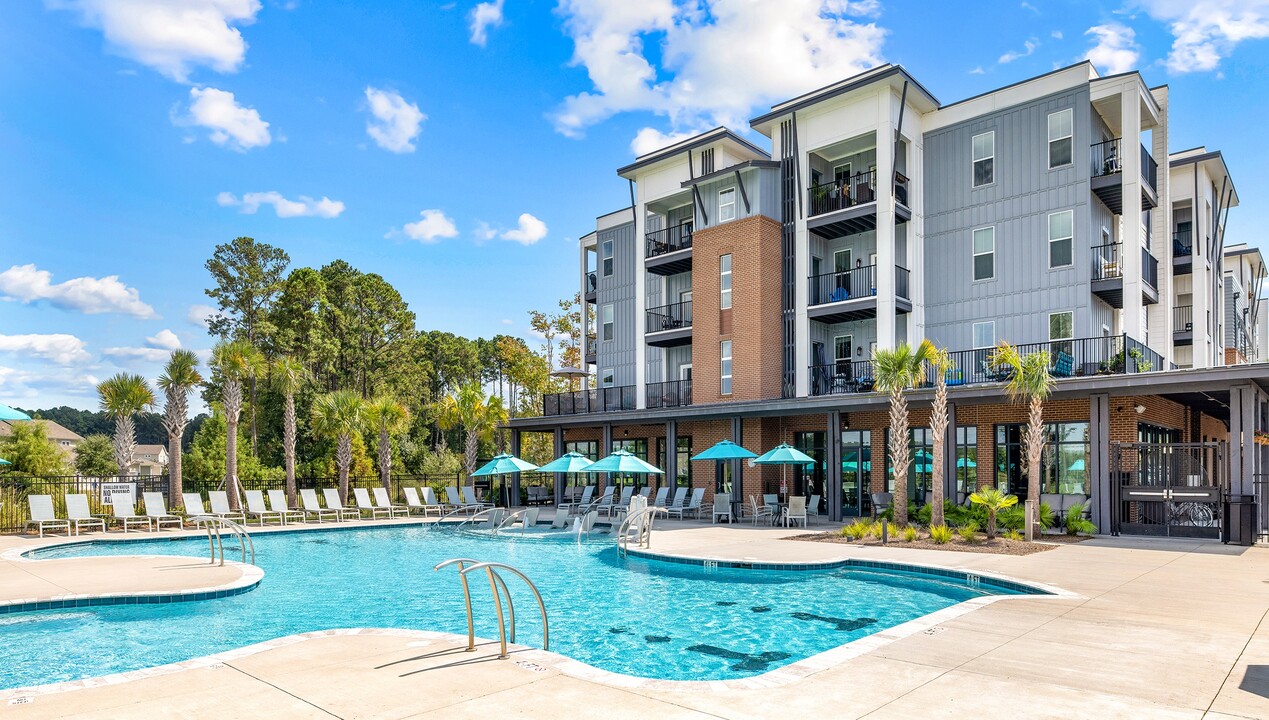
pixel 334 503
pixel 257 509
pixel 680 497
pixel 758 510
pixel 79 515
pixel 42 515
pixel 156 510
pixel 561 520
pixel 813 507
pixel 587 493
pixel 454 498
pixel 219 500
pixel 659 500
pixel 313 508
pixel 382 500
pixel 430 502
pixel 194 509
pixel 621 503
pixel 365 504
pixel 277 503
pixel 470 501
pixel 693 505
pixel 126 513
pixel 605 501
pixel 796 511
pixel 529 518
pixel 722 508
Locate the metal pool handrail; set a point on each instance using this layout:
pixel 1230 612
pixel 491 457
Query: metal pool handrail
pixel 477 516
pixel 214 524
pixel 494 580
pixel 644 538
pixel 511 518
pixel 501 585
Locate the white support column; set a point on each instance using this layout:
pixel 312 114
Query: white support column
pixel 916 233
pixel 886 260
pixel 584 311
pixel 1131 232
pixel 640 304
pixel 1160 315
pixel 801 270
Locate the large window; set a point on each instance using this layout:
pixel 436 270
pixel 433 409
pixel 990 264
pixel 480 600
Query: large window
pixel 984 157
pixel 1060 138
pixel 606 256
pixel 985 253
pixel 683 478
pixel 607 378
pixel 984 335
pixel 921 442
pixel 966 462
pixel 606 318
pixel 843 352
pixel 1061 238
pixel 726 205
pixel 724 386
pixel 589 448
pixel 724 281
pixel 1061 331
pixel 1063 464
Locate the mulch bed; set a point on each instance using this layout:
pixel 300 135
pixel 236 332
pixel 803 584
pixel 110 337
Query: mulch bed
pixel 995 546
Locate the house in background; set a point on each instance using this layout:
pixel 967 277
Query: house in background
pixel 65 439
pixel 149 460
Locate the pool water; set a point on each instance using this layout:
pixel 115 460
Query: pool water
pixel 642 617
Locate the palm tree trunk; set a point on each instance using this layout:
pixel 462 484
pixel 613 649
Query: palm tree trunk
pixel 231 461
pixel 991 523
pixel 174 487
pixel 900 454
pixel 473 445
pixel 385 459
pixel 1035 447
pixel 938 425
pixel 125 442
pixel 343 460
pixel 288 447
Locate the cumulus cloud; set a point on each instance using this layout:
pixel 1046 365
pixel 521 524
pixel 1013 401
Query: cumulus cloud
pixel 978 71
pixel 89 295
pixel 200 315
pixel 432 226
pixel 484 16
pixel 1028 48
pixel 153 355
pixel 171 36
pixel 39 385
pixel 1206 31
pixel 529 231
pixel 284 208
pixel 396 121
pixel 1114 48
pixel 231 125
pixel 484 232
pixel 716 60
pixel 60 348
pixel 164 340
pixel 650 140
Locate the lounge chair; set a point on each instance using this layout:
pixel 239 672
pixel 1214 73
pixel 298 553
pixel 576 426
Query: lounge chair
pixel 383 501
pixel 659 500
pixel 759 510
pixel 334 503
pixel 365 504
pixel 605 501
pixel 156 510
pixel 722 508
pixel 529 518
pixel 680 497
pixel 126 513
pixel 470 501
pixel 430 500
pixel 194 509
pixel 561 520
pixel 412 502
pixel 278 504
pixel 42 515
pixel 79 515
pixel 796 511
pixel 313 508
pixel 693 505
pixel 622 503
pixel 813 507
pixel 220 507
pixel 454 498
pixel 881 501
pixel 257 509
pixel 587 494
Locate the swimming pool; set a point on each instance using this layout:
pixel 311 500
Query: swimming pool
pixel 635 616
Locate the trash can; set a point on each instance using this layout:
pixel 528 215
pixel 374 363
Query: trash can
pixel 1238 521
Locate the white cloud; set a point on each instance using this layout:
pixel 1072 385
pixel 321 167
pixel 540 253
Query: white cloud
pixel 1056 34
pixel 41 385
pixel 153 355
pixel 1028 48
pixel 719 59
pixel 200 314
pixel 484 232
pixel 58 347
pixel 164 340
pixel 171 36
pixel 1114 48
pixel 507 321
pixel 1206 31
pixel 231 125
pixel 1029 6
pixel 89 295
pixel 433 226
pixel 530 230
pixel 484 16
pixel 650 139
pixel 978 71
pixel 396 122
pixel 304 207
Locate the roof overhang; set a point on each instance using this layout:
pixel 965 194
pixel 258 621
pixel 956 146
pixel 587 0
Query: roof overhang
pixel 722 135
pixel 1213 162
pixel 894 75
pixel 747 165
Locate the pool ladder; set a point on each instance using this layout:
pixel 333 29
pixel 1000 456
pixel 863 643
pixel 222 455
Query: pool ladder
pixel 498 587
pixel 643 530
pixel 216 544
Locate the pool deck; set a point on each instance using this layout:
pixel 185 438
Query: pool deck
pixel 1154 628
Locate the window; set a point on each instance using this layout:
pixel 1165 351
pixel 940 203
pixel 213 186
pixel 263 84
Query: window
pixel 1060 138
pixel 724 387
pixel 1061 238
pixel 683 477
pixel 1062 465
pixel 607 378
pixel 1061 327
pixel 984 335
pixel 920 467
pixel 984 157
pixel 605 316
pixel 607 258
pixel 966 462
pixel 724 281
pixel 843 351
pixel 985 253
pixel 726 205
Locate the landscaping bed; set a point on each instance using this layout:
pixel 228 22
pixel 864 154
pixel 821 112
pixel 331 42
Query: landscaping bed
pixel 997 546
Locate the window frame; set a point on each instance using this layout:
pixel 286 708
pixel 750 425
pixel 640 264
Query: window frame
pixel 725 369
pixel 724 288
pixel 974 161
pixel 607 323
pixel 974 334
pixel 1052 315
pixel 607 378
pixel 607 266
pixel 973 247
pixel 1069 238
pixel 722 218
pixel 1069 136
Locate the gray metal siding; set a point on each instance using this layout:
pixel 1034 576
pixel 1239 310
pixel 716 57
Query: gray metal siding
pixel 619 290
pixel 863 333
pixel 762 185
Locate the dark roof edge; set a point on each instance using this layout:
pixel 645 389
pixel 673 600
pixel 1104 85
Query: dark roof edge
pixel 709 136
pixel 729 170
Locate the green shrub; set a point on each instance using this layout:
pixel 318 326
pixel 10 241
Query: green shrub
pixel 1077 524
pixel 940 534
pixel 878 529
pixel 1014 535
pixel 909 534
pixel 969 532
pixel 857 530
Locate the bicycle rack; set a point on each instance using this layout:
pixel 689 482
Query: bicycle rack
pixel 498 587
pixel 644 531
pixel 215 542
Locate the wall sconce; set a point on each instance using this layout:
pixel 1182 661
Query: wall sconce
pixel 1139 408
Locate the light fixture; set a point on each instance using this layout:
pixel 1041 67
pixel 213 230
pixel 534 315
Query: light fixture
pixel 1139 408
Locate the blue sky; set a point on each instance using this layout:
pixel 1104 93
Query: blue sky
pixel 459 149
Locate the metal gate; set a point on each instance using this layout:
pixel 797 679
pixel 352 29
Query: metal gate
pixel 1169 489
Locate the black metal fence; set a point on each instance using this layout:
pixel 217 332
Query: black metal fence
pixel 671 239
pixel 842 285
pixel 1107 159
pixel 674 316
pixel 842 377
pixel 1183 318
pixel 672 393
pixel 607 399
pixel 1149 269
pixel 841 193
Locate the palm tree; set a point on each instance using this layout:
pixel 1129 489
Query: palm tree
pixel 179 377
pixel 896 371
pixel 289 376
pixel 1031 382
pixel 123 396
pixel 234 362
pixel 477 415
pixel 993 501
pixel 940 364
pixel 386 416
pixel 337 415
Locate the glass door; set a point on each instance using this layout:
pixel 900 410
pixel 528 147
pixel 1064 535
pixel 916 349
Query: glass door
pixel 808 481
pixel 856 470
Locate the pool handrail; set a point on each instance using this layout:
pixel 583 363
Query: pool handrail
pixel 494 579
pixel 471 629
pixel 644 538
pixel 214 524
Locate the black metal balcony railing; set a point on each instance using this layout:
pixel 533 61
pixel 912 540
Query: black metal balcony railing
pixel 901 282
pixel 671 239
pixel 673 393
pixel 592 282
pixel 1149 269
pixel 1183 318
pixel 1182 243
pixel 842 377
pixel 674 316
pixel 591 347
pixel 1107 261
pixel 1107 159
pixel 848 191
pixel 843 285
pixel 1149 168
pixel 609 399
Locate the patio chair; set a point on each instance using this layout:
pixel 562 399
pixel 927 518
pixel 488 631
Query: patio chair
pixel 680 497
pixel 125 512
pixel 257 509
pixel 454 498
pixel 659 500
pixel 722 508
pixel 772 502
pixel 693 505
pixel 156 510
pixel 365 504
pixel 757 510
pixel 412 502
pixel 813 507
pixel 587 493
pixel 1064 365
pixel 42 515
pixel 334 503
pixel 838 295
pixel 430 501
pixel 796 511
pixel 561 520
pixel 470 501
pixel 382 500
pixel 220 507
pixel 277 503
pixel 645 492
pixel 623 502
pixel 881 501
pixel 194 509
pixel 605 500
pixel 313 508
pixel 78 514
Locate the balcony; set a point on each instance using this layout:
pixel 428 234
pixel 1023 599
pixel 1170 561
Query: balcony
pixel 596 400
pixel 669 325
pixel 1183 325
pixel 591 353
pixel 669 251
pixel 1107 180
pixel 1108 275
pixel 674 393
pixel 592 286
pixel 848 205
pixel 851 295
pixel 1182 252
pixel 1077 357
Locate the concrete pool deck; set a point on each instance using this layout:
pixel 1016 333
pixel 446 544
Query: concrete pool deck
pixel 1163 628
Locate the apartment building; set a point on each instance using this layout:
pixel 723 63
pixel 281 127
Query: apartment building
pixel 744 292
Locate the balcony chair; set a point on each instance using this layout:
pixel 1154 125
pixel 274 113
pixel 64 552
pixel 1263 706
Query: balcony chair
pixel 838 295
pixel 1064 365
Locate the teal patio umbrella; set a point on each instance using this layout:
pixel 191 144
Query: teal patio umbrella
pixel 623 461
pixel 570 462
pixel 965 463
pixel 784 455
pixel 502 465
pixel 4 462
pixel 8 413
pixel 724 450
